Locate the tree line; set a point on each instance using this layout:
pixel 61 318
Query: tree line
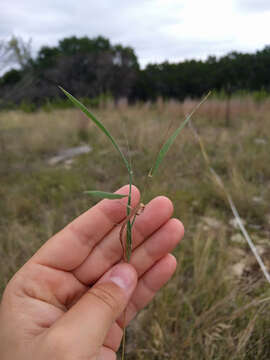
pixel 90 67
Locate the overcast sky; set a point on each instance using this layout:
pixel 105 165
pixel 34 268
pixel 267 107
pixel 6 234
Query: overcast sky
pixel 158 30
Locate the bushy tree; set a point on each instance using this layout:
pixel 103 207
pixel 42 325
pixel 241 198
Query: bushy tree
pixel 86 67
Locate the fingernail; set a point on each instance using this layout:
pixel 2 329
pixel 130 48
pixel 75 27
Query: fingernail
pixel 123 276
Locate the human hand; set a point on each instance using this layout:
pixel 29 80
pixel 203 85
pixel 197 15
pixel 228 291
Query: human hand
pixel 67 301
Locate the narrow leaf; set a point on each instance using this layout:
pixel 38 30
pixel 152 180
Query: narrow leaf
pixel 166 146
pixel 104 195
pixel 97 122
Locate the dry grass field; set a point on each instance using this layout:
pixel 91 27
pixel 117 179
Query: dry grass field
pixel 218 304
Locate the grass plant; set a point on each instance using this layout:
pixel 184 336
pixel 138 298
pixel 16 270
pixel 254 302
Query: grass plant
pixel 218 181
pixel 131 213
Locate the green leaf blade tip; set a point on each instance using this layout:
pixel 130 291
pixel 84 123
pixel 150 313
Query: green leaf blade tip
pixel 98 124
pixel 165 148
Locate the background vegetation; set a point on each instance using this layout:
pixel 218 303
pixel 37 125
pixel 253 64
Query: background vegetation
pixel 217 305
pixel 95 69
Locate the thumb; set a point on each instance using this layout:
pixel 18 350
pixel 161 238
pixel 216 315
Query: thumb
pixel 87 323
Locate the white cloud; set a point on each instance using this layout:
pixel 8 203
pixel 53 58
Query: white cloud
pixel 253 5
pixel 158 30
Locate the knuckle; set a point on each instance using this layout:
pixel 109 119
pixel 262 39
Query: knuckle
pixel 106 297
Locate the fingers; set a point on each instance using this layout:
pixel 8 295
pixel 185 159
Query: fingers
pixel 87 323
pixel 157 246
pixel 109 250
pixel 148 285
pixel 71 246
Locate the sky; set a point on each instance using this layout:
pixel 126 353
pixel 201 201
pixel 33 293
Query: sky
pixel 158 30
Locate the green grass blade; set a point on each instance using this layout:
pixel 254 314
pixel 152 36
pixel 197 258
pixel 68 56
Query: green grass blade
pixel 166 146
pixel 98 123
pixel 104 194
pixel 101 194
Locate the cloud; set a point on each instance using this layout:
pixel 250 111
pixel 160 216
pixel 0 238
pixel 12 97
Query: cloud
pixel 116 18
pixel 156 29
pixel 253 6
pixel 140 24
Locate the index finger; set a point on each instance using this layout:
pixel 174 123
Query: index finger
pixel 70 247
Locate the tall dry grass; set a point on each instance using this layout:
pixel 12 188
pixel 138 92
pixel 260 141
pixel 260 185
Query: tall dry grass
pixel 207 311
